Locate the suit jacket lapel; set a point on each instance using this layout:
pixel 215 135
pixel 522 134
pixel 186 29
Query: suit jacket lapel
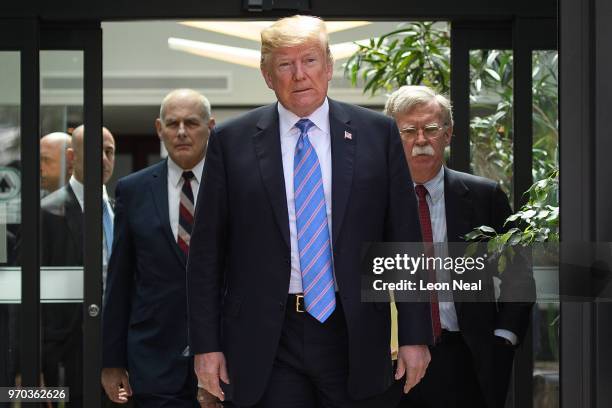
pixel 74 216
pixel 343 139
pixel 268 149
pixel 159 189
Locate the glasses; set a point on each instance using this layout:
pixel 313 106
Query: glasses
pixel 430 131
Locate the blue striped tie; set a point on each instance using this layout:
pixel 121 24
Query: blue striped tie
pixel 312 229
pixel 107 224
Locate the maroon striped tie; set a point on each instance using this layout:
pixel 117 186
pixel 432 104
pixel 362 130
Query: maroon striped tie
pixel 425 219
pixel 186 211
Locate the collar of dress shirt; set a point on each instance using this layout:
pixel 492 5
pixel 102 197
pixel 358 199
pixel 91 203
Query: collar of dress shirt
pixel 175 172
pixel 78 189
pixel 435 186
pixel 288 119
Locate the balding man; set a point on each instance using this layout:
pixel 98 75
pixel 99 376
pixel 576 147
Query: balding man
pixel 145 310
pixel 62 245
pixel 55 168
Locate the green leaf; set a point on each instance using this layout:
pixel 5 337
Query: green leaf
pixel 501 263
pixel 470 250
pixel 515 239
pixel 528 214
pixel 493 74
pixel 486 228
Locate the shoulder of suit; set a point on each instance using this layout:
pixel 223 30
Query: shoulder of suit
pixel 143 174
pixel 245 121
pixel 55 202
pixel 135 183
pixel 470 180
pixel 359 112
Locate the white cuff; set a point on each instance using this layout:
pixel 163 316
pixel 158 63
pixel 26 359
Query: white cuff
pixel 507 334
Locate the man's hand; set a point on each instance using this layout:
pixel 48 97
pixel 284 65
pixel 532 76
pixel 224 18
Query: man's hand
pixel 209 368
pixel 116 384
pixel 412 361
pixel 207 400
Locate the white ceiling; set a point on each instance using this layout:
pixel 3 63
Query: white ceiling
pixel 139 68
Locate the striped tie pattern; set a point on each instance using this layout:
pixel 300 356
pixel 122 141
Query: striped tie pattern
pixel 312 228
pixel 186 211
pixel 107 225
pixel 425 220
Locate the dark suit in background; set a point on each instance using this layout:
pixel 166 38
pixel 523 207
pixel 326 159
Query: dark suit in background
pixel 470 202
pixel 472 360
pixel 144 321
pixel 62 245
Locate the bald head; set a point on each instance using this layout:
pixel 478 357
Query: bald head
pixel 77 154
pixel 55 167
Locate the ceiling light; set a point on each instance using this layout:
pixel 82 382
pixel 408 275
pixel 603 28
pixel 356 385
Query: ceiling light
pixel 250 30
pixel 234 55
pixel 246 56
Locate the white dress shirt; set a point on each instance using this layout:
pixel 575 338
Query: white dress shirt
pixel 175 185
pixel 320 139
pixel 437 212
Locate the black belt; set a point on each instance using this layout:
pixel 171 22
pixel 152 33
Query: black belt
pixel 295 303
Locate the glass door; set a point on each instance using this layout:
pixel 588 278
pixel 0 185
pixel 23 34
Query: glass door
pixel 50 293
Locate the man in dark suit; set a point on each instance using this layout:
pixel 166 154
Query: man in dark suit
pixel 472 361
pixel 273 315
pixel 144 320
pixel 62 245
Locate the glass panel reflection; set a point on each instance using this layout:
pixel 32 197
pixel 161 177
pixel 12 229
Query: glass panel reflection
pixel 545 160
pixel 10 216
pixel 62 221
pixel 491 130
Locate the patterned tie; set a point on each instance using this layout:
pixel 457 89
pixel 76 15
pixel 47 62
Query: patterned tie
pixel 107 225
pixel 312 229
pixel 186 211
pixel 425 219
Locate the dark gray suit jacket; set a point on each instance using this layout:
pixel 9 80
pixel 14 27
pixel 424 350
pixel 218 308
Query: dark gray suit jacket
pixel 472 201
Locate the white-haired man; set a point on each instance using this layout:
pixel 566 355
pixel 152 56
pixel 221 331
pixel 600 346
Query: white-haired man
pixel 144 324
pixel 291 192
pixel 472 359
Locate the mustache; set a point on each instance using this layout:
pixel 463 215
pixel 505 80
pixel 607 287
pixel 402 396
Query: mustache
pixel 426 150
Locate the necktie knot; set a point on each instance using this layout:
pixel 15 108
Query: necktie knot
pixel 421 191
pixel 304 125
pixel 188 175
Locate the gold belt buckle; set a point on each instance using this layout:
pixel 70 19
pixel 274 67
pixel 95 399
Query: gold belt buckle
pixel 299 303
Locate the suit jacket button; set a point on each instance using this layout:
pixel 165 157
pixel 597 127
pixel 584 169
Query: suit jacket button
pixel 282 306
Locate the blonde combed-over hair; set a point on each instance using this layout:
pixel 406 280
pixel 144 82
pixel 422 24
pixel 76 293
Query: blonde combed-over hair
pixel 291 32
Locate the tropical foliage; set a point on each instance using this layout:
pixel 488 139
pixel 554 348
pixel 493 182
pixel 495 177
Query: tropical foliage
pixel 418 53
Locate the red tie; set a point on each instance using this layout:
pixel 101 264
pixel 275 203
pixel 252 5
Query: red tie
pixel 186 211
pixel 425 219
